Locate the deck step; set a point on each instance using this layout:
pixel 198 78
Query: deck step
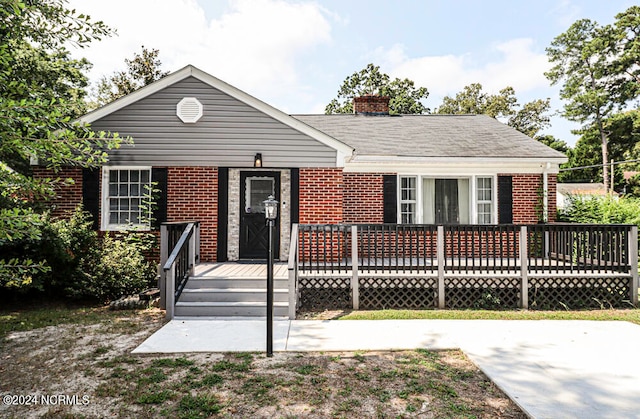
pixel 229 309
pixel 233 290
pixel 232 294
pixel 226 283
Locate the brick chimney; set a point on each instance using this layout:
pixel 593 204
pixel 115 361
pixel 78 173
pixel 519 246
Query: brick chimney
pixel 371 105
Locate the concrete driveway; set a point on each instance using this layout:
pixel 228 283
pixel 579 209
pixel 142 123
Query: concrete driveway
pixel 550 368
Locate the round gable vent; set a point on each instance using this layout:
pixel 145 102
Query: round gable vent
pixel 189 110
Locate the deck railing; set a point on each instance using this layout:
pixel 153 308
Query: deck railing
pixel 481 248
pixel 396 247
pixel 518 263
pixel 580 248
pixel 179 253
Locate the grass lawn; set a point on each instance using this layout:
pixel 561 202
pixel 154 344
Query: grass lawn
pixel 630 315
pixel 83 354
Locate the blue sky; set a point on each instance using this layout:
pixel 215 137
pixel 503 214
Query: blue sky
pixel 295 54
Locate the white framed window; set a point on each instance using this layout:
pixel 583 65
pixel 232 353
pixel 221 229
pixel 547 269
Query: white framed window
pixel 408 199
pixel 484 200
pixel 445 200
pixel 258 189
pixel 442 200
pixel 124 192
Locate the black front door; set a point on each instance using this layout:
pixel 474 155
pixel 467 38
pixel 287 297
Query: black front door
pixel 255 188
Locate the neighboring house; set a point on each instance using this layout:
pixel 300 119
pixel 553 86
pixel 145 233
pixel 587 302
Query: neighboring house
pixel 565 191
pixel 216 153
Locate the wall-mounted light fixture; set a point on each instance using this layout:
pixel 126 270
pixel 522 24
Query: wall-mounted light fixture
pixel 257 160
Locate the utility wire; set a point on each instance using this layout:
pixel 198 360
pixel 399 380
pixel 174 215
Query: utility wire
pixel 599 165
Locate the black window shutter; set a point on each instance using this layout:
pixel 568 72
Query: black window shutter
pixel 505 200
pixel 91 194
pixel 223 213
pixel 159 177
pixel 390 196
pixel 294 205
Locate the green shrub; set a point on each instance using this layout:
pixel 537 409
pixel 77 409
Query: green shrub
pixel 601 210
pixel 21 267
pixel 121 269
pixel 81 265
pixel 70 247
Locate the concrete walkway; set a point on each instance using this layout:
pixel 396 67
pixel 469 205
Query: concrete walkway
pixel 550 368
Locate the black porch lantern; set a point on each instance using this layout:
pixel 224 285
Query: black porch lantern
pixel 270 213
pixel 270 208
pixel 257 160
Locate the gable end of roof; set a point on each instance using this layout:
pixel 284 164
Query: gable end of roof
pixel 343 150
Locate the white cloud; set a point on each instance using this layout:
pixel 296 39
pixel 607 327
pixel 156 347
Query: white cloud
pixel 521 67
pixel 253 45
pixel 515 63
pixel 564 13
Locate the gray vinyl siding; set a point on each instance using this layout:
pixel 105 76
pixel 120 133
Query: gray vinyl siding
pixel 229 133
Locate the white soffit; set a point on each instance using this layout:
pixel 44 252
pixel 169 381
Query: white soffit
pixel 189 110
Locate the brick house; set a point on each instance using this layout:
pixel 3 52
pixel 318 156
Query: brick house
pixel 215 153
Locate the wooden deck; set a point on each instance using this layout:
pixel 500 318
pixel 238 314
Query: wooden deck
pixel 238 270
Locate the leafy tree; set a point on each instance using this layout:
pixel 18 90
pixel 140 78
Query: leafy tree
pixel 532 118
pixel 473 101
pixel 581 63
pixel 405 98
pixel 529 119
pixel 625 53
pixel 40 94
pixel 585 155
pixel 142 70
pixel 623 132
pixel 632 188
pixel 553 142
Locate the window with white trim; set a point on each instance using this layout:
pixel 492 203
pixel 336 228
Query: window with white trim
pixel 408 200
pixel 125 191
pixel 484 200
pixel 446 200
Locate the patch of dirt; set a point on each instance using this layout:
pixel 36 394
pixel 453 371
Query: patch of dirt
pixel 93 371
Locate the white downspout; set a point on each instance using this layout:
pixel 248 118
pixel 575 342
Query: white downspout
pixel 545 193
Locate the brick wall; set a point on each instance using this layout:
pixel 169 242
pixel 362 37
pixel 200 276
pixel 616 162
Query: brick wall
pixel 68 196
pixel 552 181
pixel 192 194
pixel 363 200
pixel 321 195
pixel 527 198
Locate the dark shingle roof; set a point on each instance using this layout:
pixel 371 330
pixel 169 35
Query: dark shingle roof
pixel 429 136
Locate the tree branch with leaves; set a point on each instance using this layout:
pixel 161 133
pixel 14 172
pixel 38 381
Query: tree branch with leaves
pixel 41 94
pixel 142 70
pixel 405 97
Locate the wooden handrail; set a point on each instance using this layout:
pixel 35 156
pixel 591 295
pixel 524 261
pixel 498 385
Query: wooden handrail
pixel 293 247
pixel 184 238
pixel 179 265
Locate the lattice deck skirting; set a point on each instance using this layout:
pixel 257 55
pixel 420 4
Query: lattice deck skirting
pixel 325 293
pixel 552 293
pixel 398 292
pixel 493 292
pixel 490 293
